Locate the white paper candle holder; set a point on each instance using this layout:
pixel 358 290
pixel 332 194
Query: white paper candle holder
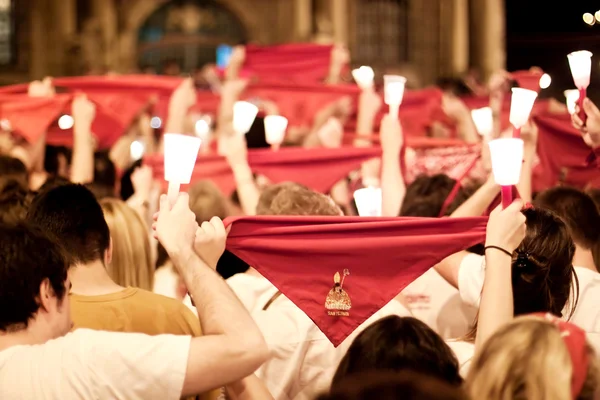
pixel 244 114
pixel 275 126
pixel 180 153
pixel 364 77
pixel 136 150
pixel 393 90
pixel 521 104
pixel 507 159
pixel 572 96
pixel 368 202
pixel 580 63
pixel 484 120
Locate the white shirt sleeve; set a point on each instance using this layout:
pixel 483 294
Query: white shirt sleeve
pixel 91 364
pixel 471 275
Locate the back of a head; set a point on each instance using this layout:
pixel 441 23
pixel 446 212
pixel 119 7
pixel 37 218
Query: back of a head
pixel 296 200
pixel 577 209
pixel 426 196
pixel 388 385
pixel 399 343
pixel 131 262
pixel 13 169
pixel 27 258
pixel 266 197
pixel 14 201
pixel 595 195
pixel 207 201
pixel 527 359
pixel 543 271
pixel 105 176
pixel 72 215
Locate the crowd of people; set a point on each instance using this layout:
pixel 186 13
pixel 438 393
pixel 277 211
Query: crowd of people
pixel 111 290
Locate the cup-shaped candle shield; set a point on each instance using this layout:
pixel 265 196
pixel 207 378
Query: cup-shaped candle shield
pixel 363 76
pixel 180 157
pixel 393 89
pixel 581 67
pixel 136 150
pixel 275 126
pixel 368 202
pixel 507 159
pixel 244 114
pixel 483 118
pixel 572 96
pixel 521 105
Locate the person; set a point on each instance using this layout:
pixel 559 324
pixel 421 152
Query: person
pixel 72 215
pixel 131 261
pixel 536 358
pixel 542 275
pixel 388 385
pixel 303 360
pixel 13 169
pixel 14 201
pixel 35 323
pixel 399 343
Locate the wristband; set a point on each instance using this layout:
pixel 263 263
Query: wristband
pixel 508 253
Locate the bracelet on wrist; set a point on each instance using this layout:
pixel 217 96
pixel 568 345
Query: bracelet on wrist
pixel 508 253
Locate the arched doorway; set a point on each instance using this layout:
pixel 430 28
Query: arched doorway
pixel 188 32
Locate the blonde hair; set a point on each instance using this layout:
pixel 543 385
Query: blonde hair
pixel 131 263
pixel 527 359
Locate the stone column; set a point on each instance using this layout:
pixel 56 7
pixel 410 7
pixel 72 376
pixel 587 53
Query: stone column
pixel 303 19
pixel 38 59
pixel 105 12
pixel 340 17
pixel 460 37
pixel 63 20
pixel 488 35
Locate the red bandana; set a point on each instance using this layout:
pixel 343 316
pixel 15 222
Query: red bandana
pixel 341 270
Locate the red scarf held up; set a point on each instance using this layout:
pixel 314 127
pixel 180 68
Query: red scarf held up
pixel 317 168
pixel 342 262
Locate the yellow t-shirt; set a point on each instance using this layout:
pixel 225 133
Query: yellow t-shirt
pixel 138 311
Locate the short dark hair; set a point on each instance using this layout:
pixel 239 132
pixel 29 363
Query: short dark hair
pixel 388 385
pixel 13 168
pixel 27 258
pixel 426 196
pixel 74 217
pixel 14 202
pixel 296 200
pixel 577 209
pixel 399 343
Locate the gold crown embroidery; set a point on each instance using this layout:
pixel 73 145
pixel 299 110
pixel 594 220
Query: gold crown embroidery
pixel 338 302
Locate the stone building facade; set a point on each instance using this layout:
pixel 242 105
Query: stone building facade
pixel 67 37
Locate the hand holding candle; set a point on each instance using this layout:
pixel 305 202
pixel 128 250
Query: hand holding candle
pixel 368 202
pixel 520 108
pixel 580 63
pixel 275 126
pixel 572 96
pixel 393 91
pixel 180 157
pixel 507 159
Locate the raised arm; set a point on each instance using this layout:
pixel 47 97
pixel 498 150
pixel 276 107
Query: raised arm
pixel 232 346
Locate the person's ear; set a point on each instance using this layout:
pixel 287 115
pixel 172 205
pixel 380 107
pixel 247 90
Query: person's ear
pixel 108 253
pixel 46 295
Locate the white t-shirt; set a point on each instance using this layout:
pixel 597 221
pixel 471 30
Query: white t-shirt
pixel 464 352
pixel 471 276
pixel 87 364
pixel 303 360
pixel 438 304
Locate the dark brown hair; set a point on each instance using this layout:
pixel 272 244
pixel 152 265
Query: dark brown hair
pixel 266 197
pixel 296 200
pixel 207 201
pixel 389 385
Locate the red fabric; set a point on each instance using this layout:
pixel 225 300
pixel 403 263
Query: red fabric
pixel 317 168
pixel 457 186
pixel 114 115
pixel 15 89
pixel 575 341
pixel 293 62
pixel 30 117
pixel 562 153
pixel 528 79
pixel 300 256
pixel 144 84
pixel 300 103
